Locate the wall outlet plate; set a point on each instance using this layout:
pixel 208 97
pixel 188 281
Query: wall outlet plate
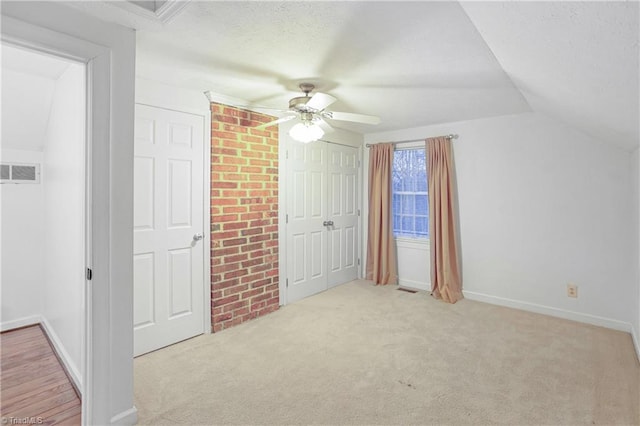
pixel 572 290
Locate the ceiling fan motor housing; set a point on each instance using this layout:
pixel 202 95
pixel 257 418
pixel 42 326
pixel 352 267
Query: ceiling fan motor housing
pixel 299 104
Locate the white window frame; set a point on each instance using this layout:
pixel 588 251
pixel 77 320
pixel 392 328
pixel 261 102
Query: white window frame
pixel 403 240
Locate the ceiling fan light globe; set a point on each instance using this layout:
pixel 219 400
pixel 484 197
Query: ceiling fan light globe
pixel 306 132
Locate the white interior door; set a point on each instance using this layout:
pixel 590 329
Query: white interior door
pixel 306 234
pixel 168 223
pixel 322 227
pixel 343 213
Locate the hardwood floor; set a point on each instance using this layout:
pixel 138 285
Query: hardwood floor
pixel 35 387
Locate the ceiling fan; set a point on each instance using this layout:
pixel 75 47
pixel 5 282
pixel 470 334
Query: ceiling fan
pixel 312 112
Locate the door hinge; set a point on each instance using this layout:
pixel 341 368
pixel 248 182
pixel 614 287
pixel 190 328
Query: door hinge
pixel 286 218
pixel 358 163
pixel 287 280
pixel 89 274
pixel 358 212
pixel 286 154
pixel 358 261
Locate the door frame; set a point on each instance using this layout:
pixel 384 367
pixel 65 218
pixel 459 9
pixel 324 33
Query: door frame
pixel 338 137
pixel 97 327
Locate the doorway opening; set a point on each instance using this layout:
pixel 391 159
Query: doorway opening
pixel 44 216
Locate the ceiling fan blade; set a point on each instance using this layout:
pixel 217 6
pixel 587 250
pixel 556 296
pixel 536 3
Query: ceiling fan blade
pixel 347 116
pixel 320 101
pixel 324 126
pixel 278 121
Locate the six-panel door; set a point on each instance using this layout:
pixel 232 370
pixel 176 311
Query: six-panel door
pixel 168 212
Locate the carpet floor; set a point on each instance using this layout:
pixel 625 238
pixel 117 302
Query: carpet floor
pixel 362 354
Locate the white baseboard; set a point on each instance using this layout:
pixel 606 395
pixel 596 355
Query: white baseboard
pixel 63 355
pixel 548 310
pixel 21 322
pixel 126 418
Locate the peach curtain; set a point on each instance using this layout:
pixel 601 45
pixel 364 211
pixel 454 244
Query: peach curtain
pixel 445 272
pixel 382 265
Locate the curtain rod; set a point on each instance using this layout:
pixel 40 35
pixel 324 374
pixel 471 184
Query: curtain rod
pixel 451 136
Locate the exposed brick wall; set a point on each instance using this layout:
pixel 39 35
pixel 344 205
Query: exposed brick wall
pixel 244 216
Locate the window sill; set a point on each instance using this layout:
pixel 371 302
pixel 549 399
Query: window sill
pixel 418 243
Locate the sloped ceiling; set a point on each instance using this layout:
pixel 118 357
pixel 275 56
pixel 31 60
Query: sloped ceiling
pixel 411 63
pixel 576 61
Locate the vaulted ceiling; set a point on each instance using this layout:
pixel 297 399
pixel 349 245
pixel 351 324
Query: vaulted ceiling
pixel 411 63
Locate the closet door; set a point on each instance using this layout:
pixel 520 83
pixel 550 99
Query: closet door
pixel 306 234
pixel 343 213
pixel 322 227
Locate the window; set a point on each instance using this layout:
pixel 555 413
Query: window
pixel 410 200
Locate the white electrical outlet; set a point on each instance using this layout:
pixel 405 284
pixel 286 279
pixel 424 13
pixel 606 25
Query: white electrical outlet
pixel 572 290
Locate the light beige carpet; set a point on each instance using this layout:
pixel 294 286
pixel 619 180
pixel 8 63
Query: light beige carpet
pixel 361 354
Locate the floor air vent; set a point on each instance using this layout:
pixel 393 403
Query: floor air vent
pixel 19 173
pixel 408 290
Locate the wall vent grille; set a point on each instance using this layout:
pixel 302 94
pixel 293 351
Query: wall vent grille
pixel 19 173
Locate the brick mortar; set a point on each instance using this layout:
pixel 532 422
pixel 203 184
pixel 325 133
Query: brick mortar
pixel 244 216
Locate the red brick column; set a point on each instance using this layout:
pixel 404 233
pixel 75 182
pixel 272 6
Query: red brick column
pixel 244 216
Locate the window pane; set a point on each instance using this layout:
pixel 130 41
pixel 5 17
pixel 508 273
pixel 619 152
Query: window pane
pixel 396 181
pixel 407 204
pixel 421 182
pixel 408 182
pixel 396 204
pixel 422 226
pixel 422 206
pixel 407 225
pixel 396 224
pixel 410 200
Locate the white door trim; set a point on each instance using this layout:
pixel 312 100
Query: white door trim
pixel 96 372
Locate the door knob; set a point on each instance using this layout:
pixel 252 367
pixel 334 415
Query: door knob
pixel 198 236
pixel 327 223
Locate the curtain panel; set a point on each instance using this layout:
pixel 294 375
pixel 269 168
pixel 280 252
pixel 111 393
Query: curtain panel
pixel 445 270
pixel 382 263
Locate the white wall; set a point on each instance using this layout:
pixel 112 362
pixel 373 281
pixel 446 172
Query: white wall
pixel 22 256
pixel 64 260
pixel 414 266
pixel 541 205
pixel 29 96
pixel 149 92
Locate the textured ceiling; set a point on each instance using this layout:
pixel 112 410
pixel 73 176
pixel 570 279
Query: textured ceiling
pixel 576 61
pixel 411 63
